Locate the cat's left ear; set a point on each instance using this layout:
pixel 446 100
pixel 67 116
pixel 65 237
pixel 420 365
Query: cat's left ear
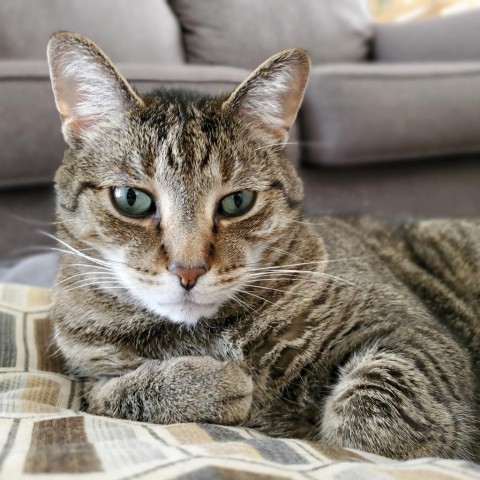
pixel 89 91
pixel 270 97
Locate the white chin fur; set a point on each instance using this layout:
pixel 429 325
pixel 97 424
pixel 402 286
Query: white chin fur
pixel 188 314
pixel 173 305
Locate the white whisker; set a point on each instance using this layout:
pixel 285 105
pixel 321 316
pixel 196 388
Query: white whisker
pixel 91 266
pixel 275 145
pixel 243 304
pixel 261 298
pixel 105 284
pixel 316 262
pixel 279 250
pixel 74 251
pixel 91 280
pixel 316 224
pixel 252 285
pixel 99 275
pixel 79 254
pixel 307 272
pixel 313 262
pixel 273 277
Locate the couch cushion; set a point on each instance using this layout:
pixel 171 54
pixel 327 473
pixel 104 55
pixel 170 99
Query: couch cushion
pixel 243 33
pixel 440 188
pixel 38 270
pixel 32 145
pixel 147 31
pixel 376 113
pixel 24 214
pixel 454 38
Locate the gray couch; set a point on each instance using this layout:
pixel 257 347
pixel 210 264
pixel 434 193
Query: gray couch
pixel 390 123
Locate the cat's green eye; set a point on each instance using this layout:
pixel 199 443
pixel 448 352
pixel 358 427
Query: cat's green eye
pixel 236 203
pixel 132 202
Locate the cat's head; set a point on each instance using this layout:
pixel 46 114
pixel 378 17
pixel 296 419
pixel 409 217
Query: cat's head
pixel 179 196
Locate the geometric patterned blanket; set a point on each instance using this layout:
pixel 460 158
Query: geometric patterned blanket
pixel 44 435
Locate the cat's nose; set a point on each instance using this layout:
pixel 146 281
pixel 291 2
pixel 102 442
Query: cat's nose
pixel 188 276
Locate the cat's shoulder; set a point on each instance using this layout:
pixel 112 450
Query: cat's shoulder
pixel 399 227
pixel 451 237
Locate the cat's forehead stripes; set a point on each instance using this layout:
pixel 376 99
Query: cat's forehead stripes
pixel 193 144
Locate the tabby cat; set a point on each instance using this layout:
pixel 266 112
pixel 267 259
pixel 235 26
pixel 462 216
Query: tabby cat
pixel 192 290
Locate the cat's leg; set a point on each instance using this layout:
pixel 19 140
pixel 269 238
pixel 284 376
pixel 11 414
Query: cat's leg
pixel 183 389
pixel 383 404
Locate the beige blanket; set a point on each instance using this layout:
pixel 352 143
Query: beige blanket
pixel 44 435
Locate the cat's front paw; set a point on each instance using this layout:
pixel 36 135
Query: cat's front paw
pixel 184 389
pixel 208 390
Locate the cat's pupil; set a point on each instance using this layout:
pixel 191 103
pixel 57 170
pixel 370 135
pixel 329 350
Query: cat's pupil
pixel 131 197
pixel 238 199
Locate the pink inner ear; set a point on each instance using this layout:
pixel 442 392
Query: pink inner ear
pixel 292 99
pixel 69 97
pixel 277 114
pixel 89 91
pixel 269 99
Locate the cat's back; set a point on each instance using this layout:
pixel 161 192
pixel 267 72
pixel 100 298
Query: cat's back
pixel 446 255
pixel 446 249
pixel 450 251
pixel 438 261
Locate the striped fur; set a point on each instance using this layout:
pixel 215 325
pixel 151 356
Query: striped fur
pixel 351 331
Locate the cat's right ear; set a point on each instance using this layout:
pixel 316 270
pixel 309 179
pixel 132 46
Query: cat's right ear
pixel 89 91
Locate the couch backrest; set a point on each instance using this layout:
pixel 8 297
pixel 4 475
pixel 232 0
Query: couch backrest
pixel 454 38
pixel 129 30
pixel 243 33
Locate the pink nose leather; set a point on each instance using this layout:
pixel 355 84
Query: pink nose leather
pixel 188 276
